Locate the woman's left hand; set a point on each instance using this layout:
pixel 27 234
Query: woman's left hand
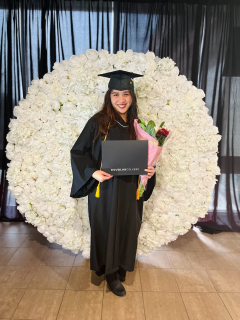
pixel 150 170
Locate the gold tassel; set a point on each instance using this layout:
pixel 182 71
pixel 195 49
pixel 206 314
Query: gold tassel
pixel 137 194
pixel 97 193
pixel 137 197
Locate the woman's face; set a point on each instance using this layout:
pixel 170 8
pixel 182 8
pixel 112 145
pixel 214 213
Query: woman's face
pixel 121 101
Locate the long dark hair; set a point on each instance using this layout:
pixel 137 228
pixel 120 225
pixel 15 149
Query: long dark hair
pixel 108 115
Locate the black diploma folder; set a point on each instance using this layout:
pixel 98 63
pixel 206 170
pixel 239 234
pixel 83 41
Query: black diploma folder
pixel 125 157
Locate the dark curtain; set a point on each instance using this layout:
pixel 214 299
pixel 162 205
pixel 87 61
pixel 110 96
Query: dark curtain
pixel 11 91
pixel 202 37
pixel 34 35
pixel 219 77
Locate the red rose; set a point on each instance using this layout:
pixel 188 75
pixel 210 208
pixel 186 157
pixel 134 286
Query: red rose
pixel 162 132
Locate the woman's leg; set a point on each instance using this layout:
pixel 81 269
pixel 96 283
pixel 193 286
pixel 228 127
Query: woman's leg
pixel 121 274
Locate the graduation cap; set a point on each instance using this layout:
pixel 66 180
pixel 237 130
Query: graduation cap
pixel 121 80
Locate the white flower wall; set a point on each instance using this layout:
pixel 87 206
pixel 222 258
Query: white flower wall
pixel 52 116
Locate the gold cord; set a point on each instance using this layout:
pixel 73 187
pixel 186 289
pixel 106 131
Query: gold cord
pixel 97 194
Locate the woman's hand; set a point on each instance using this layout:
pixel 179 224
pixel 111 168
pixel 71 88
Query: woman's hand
pixel 101 176
pixel 150 171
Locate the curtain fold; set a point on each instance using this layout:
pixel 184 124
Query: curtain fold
pixel 55 30
pixel 203 39
pixel 220 79
pixel 167 29
pixel 11 92
pixel 34 35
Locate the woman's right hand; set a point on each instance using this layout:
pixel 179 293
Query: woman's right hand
pixel 101 176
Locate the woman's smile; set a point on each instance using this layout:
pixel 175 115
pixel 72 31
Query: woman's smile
pixel 122 105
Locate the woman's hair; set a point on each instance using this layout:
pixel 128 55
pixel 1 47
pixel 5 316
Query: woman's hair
pixel 108 115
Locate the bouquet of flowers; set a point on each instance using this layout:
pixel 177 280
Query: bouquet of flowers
pixel 156 137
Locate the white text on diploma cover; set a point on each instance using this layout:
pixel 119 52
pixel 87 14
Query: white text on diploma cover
pixel 125 169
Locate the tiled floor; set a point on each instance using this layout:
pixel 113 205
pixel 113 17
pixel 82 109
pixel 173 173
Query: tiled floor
pixel 196 277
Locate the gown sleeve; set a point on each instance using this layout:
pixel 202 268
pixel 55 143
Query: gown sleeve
pixel 83 162
pixel 150 186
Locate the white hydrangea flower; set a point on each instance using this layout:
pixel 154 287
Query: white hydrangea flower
pixel 54 113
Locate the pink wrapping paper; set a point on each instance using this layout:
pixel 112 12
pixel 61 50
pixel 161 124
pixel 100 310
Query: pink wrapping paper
pixel 153 150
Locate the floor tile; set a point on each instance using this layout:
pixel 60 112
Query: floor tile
pixel 59 257
pixel 190 280
pixel 203 243
pixel 85 305
pixel 82 278
pixel 156 259
pixel 8 240
pixel 39 304
pixel 6 254
pixel 189 255
pixel 222 235
pixel 20 227
pixel 4 226
pixel 184 260
pixel 234 258
pixel 207 306
pixel 35 240
pixel 49 277
pixel 9 299
pixel 183 236
pixel 217 236
pixel 164 306
pixel 162 280
pixel 232 303
pixel 163 247
pixel 132 282
pixel 34 230
pixel 215 260
pixel 225 280
pixel 55 245
pixel 228 245
pixel 179 245
pixel 123 308
pixel 81 262
pixel 237 234
pixel 27 257
pixel 16 276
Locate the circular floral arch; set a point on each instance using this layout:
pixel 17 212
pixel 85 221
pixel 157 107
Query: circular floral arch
pixel 53 115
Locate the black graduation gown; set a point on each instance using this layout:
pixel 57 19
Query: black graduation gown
pixel 116 216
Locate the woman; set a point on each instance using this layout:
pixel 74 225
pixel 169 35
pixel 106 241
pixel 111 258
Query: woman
pixel 116 215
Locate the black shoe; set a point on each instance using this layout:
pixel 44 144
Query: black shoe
pixel 115 284
pixel 121 274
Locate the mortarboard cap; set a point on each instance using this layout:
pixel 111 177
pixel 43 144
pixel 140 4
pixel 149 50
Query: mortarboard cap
pixel 121 80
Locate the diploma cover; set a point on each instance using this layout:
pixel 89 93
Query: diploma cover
pixel 125 157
